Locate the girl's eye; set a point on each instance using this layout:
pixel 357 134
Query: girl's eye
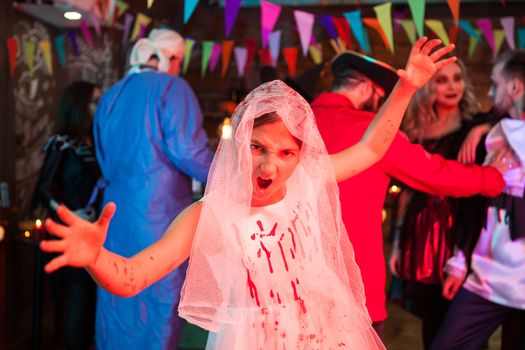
pixel 440 80
pixel 255 147
pixel 287 154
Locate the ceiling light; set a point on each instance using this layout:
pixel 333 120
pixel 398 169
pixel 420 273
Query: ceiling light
pixel 72 15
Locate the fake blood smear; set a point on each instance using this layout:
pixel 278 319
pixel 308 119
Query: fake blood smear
pixel 267 252
pixel 282 254
pixel 253 289
pixel 296 297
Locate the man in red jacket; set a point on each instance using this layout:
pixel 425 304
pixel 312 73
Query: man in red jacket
pixel 360 83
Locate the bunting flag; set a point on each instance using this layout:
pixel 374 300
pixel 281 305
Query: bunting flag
pixel 467 27
pixel 87 35
pixel 189 7
pixel 274 44
pixel 473 42
pixel 454 8
pixel 265 57
pixel 12 48
pixel 188 48
pixel 269 16
pixel 250 48
pixel 109 10
pixel 437 27
pixel 73 41
pixel 354 19
pixel 398 16
pixel 384 17
pixel 215 54
pixel 231 9
pixel 409 28
pixel 453 33
pixel 140 21
pixel 227 46
pixel 96 24
pixel 337 48
pixel 521 38
pixel 128 19
pixel 417 8
pixel 508 25
pixel 343 30
pixel 207 47
pixel 29 52
pixel 305 24
pixel 241 54
pixel 499 37
pixel 45 47
pixel 328 25
pixel 119 9
pixel 316 53
pixel 374 24
pixel 485 25
pixel 59 46
pixel 150 3
pixel 290 56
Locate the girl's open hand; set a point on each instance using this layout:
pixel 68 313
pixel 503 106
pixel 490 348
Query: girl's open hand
pixel 80 241
pixel 422 64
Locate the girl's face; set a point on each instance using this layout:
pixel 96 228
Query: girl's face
pixel 448 86
pixel 275 154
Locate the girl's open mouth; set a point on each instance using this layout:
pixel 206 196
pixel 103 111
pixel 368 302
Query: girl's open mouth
pixel 264 184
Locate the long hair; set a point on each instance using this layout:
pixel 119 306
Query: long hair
pixel 421 112
pixel 73 116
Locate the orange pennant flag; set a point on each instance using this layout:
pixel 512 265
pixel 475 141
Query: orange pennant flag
pixel 227 46
pixel 454 8
pixel 290 56
pixel 453 33
pixel 374 24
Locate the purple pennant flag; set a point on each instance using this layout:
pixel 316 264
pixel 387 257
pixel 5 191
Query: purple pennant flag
pixel 231 8
pixel 485 25
pixel 241 53
pixel 142 31
pixel 275 45
pixel 96 23
pixel 215 54
pixel 328 25
pixel 128 19
pixel 397 16
pixel 87 35
pixel 73 40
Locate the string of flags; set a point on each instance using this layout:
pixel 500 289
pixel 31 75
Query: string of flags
pixel 348 31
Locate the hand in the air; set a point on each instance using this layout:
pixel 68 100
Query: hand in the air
pixel 79 240
pixel 422 64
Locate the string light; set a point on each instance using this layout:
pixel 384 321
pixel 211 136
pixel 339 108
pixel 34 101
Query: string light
pixel 226 129
pixel 72 15
pixel 394 189
pixel 27 234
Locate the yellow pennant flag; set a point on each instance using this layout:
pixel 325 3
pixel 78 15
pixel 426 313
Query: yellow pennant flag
pixel 499 37
pixel 410 29
pixel 437 27
pixel 29 51
pixel 150 3
pixel 384 17
pixel 140 21
pixel 188 47
pixel 45 47
pixel 316 53
pixel 227 46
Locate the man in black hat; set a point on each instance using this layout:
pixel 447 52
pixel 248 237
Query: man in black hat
pixel 360 84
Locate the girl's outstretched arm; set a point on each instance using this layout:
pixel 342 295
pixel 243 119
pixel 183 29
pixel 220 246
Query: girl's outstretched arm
pixel 420 67
pixel 80 245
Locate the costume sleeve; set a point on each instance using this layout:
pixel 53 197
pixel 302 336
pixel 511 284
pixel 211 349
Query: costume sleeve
pixel 433 174
pixel 456 265
pixel 184 137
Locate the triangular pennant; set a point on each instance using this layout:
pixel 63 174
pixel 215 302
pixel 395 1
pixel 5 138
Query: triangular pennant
pixel 328 25
pixel 316 53
pixel 265 57
pixel 417 8
pixel 342 45
pixel 354 19
pixel 508 24
pixel 231 8
pixel 206 52
pixel 188 48
pixel 343 30
pixel 189 7
pixel 398 16
pixel 12 47
pixel 410 29
pixel 241 54
pixel 473 42
pixel 269 16
pixel 453 33
pixel 454 8
pixel 128 20
pixel 374 24
pixel 120 8
pixel 73 41
pixel 335 46
pixel 107 10
pixel 59 46
pixel 45 47
pixel 96 24
pixel 250 47
pixel 87 35
pixel 437 27
pixel 485 25
pixel 274 45
pixel 305 24
pixel 467 27
pixel 290 56
pixel 150 3
pixel 384 17
pixel 215 54
pixel 227 46
pixel 521 38
pixel 499 37
pixel 29 52
pixel 140 21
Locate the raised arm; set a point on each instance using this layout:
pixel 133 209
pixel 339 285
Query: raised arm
pixel 80 244
pixel 420 67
